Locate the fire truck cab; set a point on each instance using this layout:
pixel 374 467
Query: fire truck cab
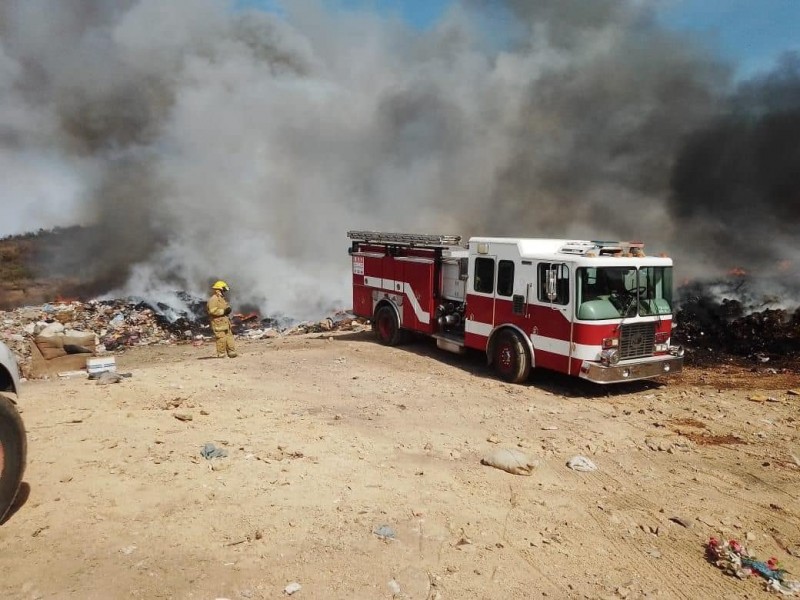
pixel 594 309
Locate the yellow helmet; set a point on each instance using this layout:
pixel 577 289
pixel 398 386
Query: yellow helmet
pixel 220 285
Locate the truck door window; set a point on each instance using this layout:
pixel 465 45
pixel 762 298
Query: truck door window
pixel 505 278
pixel 561 274
pixel 484 275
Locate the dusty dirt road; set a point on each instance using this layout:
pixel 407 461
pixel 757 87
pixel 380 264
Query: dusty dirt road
pixel 329 439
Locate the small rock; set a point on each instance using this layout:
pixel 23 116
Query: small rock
pixel 292 588
pixel 750 536
pixel 581 463
pixel 394 587
pixel 493 439
pixel 183 416
pixel 385 532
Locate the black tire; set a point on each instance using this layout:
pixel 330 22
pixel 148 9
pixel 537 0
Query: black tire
pixel 387 327
pixel 510 357
pixel 13 451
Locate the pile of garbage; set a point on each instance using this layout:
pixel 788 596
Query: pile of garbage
pixel 734 559
pixel 120 324
pixel 713 327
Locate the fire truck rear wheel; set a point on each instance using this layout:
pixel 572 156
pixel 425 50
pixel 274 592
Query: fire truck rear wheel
pixel 12 453
pixel 387 327
pixel 510 357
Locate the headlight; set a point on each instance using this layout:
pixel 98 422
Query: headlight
pixel 676 351
pixel 610 356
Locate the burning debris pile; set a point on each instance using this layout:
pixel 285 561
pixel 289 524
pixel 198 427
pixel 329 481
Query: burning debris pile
pixel 120 324
pixel 713 327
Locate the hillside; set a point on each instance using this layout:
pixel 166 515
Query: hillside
pixel 43 266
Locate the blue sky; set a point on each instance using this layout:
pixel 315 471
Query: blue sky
pixel 749 33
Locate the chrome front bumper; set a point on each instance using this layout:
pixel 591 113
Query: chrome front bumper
pixel 631 371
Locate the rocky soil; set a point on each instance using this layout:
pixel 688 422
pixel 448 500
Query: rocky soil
pixel 331 438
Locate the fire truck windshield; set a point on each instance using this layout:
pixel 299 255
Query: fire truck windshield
pixel 621 292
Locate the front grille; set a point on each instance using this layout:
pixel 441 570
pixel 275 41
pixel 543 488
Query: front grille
pixel 636 340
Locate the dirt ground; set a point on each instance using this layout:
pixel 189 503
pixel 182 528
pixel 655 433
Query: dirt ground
pixel 329 438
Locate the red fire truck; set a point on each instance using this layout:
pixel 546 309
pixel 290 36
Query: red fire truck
pixel 595 309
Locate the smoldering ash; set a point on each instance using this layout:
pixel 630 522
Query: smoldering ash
pixel 204 140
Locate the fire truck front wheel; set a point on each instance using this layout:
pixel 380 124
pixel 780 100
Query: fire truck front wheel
pixel 510 357
pixel 386 326
pixel 12 453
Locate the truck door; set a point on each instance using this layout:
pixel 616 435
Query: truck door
pixel 551 310
pixel 480 315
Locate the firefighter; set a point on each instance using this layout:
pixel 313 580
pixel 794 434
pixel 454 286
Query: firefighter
pixel 218 311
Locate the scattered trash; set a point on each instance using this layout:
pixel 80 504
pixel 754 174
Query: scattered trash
pixel 394 587
pixel 385 532
pixel 210 451
pixel 581 463
pixel 71 374
pixel 104 326
pixel 292 588
pixel 510 460
pixel 734 559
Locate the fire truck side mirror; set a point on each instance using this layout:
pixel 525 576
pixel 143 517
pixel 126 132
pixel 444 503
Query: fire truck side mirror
pixel 551 284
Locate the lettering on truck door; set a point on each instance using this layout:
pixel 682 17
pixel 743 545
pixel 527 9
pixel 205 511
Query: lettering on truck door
pixel 480 317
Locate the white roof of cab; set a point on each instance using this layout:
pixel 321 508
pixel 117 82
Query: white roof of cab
pixel 551 250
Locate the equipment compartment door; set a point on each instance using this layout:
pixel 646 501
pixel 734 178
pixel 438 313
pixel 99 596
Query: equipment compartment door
pixel 417 289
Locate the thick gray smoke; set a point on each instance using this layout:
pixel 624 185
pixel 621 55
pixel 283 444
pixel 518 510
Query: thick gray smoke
pixel 209 142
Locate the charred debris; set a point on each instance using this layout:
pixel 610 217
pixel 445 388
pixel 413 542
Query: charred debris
pixel 724 321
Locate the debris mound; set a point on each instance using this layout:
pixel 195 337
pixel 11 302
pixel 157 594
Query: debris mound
pixel 116 325
pixel 713 328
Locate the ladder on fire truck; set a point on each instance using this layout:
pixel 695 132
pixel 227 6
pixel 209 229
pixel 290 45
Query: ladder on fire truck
pixel 406 239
